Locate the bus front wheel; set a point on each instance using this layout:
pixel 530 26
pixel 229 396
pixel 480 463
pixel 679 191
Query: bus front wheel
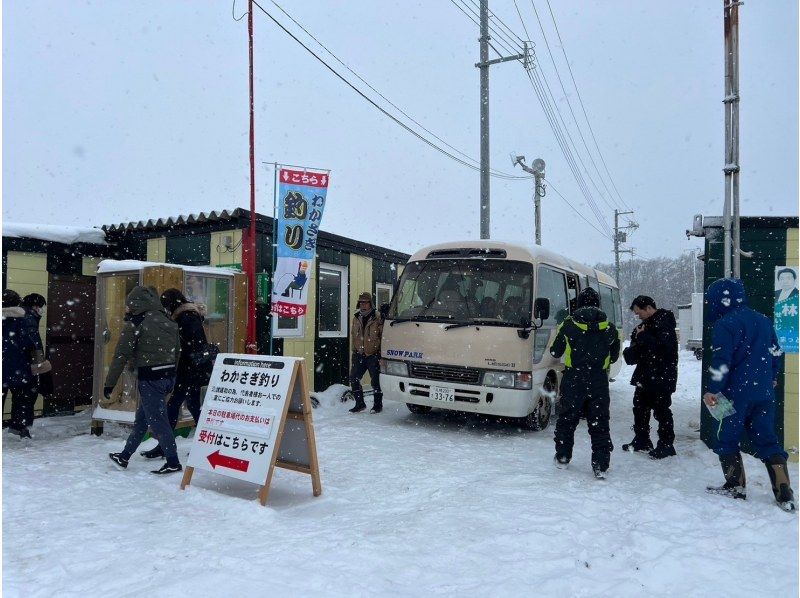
pixel 418 409
pixel 539 418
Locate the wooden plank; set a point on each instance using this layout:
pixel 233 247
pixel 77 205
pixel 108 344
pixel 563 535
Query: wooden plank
pixel 316 482
pixel 187 477
pixel 293 467
pixel 295 415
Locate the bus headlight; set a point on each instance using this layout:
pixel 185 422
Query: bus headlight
pixel 521 380
pixel 394 368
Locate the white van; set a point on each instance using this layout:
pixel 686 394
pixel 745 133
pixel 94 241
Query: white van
pixel 470 325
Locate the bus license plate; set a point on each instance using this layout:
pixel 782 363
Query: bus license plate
pixel 439 393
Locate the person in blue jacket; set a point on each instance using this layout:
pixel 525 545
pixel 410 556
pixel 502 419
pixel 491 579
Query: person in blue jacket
pixel 744 368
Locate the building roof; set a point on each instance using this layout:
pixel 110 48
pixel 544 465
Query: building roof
pixel 172 221
pixel 67 235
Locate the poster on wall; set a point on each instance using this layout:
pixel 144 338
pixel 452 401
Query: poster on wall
pixel 786 302
pixel 300 204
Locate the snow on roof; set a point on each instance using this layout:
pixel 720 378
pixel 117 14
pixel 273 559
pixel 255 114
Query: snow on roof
pixel 107 266
pixel 53 232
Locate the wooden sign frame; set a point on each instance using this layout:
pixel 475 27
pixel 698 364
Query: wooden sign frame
pixel 297 386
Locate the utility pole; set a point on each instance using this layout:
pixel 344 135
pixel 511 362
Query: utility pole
pixel 484 65
pixel 621 236
pixel 249 249
pixel 730 212
pixel 537 170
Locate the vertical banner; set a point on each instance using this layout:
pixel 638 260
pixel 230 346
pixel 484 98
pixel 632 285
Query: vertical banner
pixel 786 303
pixel 301 201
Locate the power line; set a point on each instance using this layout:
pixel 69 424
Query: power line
pixel 607 236
pixel 583 107
pixel 371 101
pixel 502 39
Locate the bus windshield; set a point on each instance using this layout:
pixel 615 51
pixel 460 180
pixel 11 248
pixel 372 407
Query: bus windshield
pixel 461 290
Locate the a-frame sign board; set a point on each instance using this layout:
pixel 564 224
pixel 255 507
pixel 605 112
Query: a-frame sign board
pixel 256 416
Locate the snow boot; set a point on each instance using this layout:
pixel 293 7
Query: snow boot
pixel 561 461
pixel 119 460
pixel 167 468
pixel 600 474
pixel 638 445
pixel 781 487
pixel 19 430
pixel 153 453
pixel 377 406
pixel 360 406
pixel 735 482
pixel 662 451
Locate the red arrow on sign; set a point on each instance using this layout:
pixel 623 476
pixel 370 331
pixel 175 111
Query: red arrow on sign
pixel 230 462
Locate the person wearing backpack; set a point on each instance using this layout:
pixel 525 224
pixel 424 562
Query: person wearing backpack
pixel 191 375
pixel 149 339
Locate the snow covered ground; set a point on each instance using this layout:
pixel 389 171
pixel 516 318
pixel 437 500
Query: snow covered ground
pixel 412 505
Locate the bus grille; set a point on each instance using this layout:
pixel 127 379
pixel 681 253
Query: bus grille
pixel 445 373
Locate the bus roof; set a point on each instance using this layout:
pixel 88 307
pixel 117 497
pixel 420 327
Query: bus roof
pixel 513 251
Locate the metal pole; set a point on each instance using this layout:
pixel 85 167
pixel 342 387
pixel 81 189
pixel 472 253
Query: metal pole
pixel 537 206
pixel 735 136
pixel 484 74
pixel 272 251
pixel 616 246
pixel 251 271
pixel 726 209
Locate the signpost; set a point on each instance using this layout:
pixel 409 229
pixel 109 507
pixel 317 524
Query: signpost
pixel 256 416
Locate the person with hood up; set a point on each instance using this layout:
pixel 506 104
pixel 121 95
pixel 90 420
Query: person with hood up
pixel 589 344
pixel 150 340
pixel 190 378
pixel 744 368
pixel 654 351
pixel 365 336
pixel 42 382
pixel 18 346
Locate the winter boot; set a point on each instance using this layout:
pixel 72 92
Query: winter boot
pixel 377 405
pixel 638 445
pixel 600 474
pixel 119 460
pixel 153 453
pixel 360 406
pixel 167 468
pixel 735 483
pixel 781 487
pixel 561 461
pixel 662 451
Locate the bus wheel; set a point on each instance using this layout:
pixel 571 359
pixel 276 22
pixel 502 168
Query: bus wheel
pixel 418 409
pixel 539 418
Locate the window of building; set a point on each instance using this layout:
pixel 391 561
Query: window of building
pixel 288 327
pixel 552 285
pixel 333 308
pixel 190 250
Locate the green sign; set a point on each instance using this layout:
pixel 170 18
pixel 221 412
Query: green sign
pixel 232 266
pixel 262 287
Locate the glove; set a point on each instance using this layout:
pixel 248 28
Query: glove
pixel 106 400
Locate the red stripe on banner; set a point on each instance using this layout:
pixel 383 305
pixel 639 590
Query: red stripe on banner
pixel 289 310
pixel 298 177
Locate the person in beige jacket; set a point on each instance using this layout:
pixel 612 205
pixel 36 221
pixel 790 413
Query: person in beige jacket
pixel 365 338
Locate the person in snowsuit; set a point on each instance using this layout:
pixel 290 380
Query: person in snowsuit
pixel 190 378
pixel 745 366
pixel 365 337
pixel 18 346
pixel 654 351
pixel 589 344
pixel 150 340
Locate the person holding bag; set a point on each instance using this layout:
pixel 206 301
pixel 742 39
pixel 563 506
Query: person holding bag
pixel 195 363
pixel 42 380
pixel 17 348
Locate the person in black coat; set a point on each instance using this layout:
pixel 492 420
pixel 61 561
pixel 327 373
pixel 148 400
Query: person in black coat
pixel 189 378
pixel 18 345
pixel 654 352
pixel 42 382
pixel 589 344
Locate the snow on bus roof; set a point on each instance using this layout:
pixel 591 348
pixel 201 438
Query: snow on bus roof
pixel 110 266
pixel 54 232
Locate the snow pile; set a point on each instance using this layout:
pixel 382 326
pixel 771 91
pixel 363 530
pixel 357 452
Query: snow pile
pixel 110 266
pixel 331 396
pixel 442 504
pixel 55 233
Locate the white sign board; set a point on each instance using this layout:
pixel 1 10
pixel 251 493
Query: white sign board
pixel 242 414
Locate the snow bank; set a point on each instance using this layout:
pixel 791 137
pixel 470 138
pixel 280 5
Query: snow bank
pixel 56 233
pixel 443 504
pixel 107 266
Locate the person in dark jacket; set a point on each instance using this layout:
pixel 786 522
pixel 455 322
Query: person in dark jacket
pixel 150 340
pixel 42 382
pixel 190 378
pixel 654 351
pixel 365 338
pixel 589 344
pixel 18 346
pixel 744 368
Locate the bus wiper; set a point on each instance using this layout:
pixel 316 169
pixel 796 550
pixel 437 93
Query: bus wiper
pixel 477 321
pixel 401 320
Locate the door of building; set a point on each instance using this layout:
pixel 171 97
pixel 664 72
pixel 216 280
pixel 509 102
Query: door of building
pixel 70 341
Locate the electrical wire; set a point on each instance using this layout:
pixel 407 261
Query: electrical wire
pixel 372 102
pixel 502 40
pixel 583 107
pixel 566 201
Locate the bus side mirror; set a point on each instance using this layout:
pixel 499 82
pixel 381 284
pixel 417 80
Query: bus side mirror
pixel 541 308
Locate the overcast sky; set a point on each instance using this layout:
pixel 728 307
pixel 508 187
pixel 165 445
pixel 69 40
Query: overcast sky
pixel 128 110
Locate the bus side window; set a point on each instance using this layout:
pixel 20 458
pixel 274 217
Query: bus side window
pixel 552 285
pixel 609 303
pixel 572 290
pixel 617 308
